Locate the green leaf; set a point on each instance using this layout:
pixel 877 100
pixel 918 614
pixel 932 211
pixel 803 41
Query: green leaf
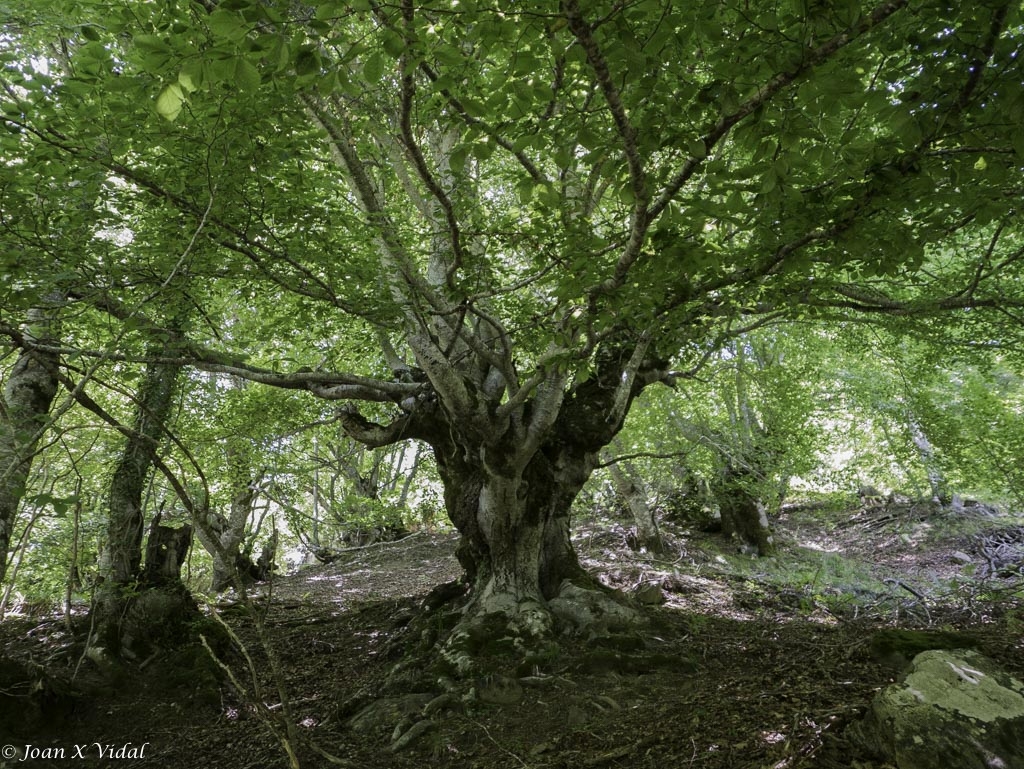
pixel 483 149
pixel 457 158
pixel 373 67
pixel 151 44
pixel 393 44
pixel 284 57
pixel 170 101
pixel 220 70
pixel 307 62
pixel 227 25
pixel 187 82
pixel 449 55
pixel 329 11
pixel 247 77
pixel 909 130
pixel 588 139
pixel 525 188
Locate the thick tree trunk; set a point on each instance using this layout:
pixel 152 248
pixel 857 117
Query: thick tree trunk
pixel 28 393
pixel 744 516
pixel 166 549
pixel 516 546
pixel 510 477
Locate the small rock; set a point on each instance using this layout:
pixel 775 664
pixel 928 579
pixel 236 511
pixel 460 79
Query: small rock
pixel 649 594
pixel 961 557
pixel 576 716
pixel 542 747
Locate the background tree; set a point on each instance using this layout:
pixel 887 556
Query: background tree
pixel 29 389
pixel 736 436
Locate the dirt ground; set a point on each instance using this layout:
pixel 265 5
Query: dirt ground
pixel 745 664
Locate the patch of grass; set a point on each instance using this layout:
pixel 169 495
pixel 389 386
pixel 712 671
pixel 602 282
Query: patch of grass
pixel 804 579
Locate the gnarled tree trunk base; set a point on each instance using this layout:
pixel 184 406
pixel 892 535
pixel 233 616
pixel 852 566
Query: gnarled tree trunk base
pixel 461 638
pixel 133 626
pixel 488 652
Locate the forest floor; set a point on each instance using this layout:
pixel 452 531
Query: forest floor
pixel 747 663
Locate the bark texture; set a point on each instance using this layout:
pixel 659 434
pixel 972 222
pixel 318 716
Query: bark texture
pixel 166 550
pixel 28 394
pixel 127 485
pixel 229 557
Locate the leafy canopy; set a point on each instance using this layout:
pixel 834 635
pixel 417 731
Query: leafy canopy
pixel 345 185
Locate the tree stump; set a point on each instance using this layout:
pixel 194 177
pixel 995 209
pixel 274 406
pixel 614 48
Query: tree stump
pixel 166 551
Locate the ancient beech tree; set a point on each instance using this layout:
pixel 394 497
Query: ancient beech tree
pixel 499 223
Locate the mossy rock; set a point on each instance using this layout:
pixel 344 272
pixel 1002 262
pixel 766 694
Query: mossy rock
pixel 216 635
pixel 190 670
pixel 134 625
pixel 498 690
pixel 953 704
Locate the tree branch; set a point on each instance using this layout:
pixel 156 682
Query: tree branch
pixel 371 434
pixel 492 133
pixel 639 219
pixel 411 146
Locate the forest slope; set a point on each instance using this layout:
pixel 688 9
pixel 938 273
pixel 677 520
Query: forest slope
pixel 746 663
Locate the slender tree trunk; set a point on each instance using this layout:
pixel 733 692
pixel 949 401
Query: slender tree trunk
pixel 936 481
pixel 131 611
pixel 124 500
pixel 229 531
pixel 74 579
pixel 229 559
pixel 28 393
pixel 632 491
